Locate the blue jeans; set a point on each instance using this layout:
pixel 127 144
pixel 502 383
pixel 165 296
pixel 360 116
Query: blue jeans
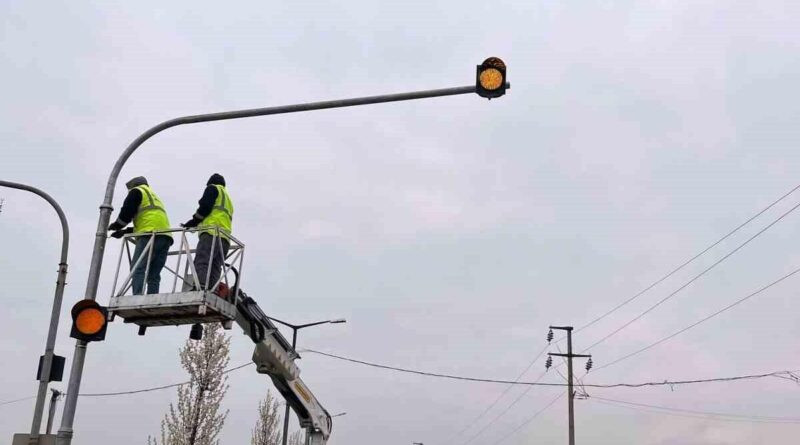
pixel 157 260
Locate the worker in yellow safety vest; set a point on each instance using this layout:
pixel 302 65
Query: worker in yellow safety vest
pixel 213 218
pixel 145 209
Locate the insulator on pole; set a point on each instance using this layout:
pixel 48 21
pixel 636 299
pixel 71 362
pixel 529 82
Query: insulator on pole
pixel 548 363
pixel 589 364
pixel 550 336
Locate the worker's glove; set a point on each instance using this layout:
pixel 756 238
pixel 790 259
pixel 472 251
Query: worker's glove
pixel 116 225
pixel 122 232
pixel 191 223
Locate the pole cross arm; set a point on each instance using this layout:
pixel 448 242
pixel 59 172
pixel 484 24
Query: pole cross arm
pixel 570 355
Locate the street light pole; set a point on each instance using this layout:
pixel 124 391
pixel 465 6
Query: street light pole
pixel 79 355
pixel 296 328
pixel 61 281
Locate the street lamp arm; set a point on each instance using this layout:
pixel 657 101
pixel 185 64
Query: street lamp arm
pixel 308 325
pixel 54 204
pixel 289 325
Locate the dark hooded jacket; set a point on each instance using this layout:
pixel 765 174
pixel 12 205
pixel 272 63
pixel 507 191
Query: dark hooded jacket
pixel 132 201
pixel 206 203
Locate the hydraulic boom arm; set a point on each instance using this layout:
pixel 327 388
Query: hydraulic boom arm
pixel 274 356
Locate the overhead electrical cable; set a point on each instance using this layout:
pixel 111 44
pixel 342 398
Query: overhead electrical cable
pixel 779 374
pixel 693 279
pixel 529 420
pixel 155 388
pixel 702 320
pixel 696 413
pixel 686 263
pixel 8 402
pixel 499 397
pixel 501 414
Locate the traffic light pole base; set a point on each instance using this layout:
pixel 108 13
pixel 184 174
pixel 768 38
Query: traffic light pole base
pixel 25 439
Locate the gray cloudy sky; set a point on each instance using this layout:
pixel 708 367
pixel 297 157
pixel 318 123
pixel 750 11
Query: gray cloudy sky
pixel 449 232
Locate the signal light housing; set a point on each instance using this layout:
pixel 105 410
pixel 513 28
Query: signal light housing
pixel 89 321
pixel 490 78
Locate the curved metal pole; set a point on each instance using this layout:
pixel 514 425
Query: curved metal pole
pixel 65 431
pixel 47 362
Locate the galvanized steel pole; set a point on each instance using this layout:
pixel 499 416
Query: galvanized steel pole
pixel 47 361
pixel 65 431
pixel 285 436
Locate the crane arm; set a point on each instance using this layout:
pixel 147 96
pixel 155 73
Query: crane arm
pixel 274 356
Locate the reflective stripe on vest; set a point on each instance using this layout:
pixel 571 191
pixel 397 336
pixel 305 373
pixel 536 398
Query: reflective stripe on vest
pixel 221 215
pixel 151 215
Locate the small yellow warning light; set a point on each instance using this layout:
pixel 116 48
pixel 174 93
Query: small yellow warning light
pixel 490 79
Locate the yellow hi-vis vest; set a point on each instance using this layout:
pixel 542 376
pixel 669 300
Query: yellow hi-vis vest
pixel 151 215
pixel 221 214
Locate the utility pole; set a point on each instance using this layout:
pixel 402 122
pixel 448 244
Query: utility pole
pixel 569 356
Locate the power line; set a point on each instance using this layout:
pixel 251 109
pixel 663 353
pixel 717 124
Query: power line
pixel 155 388
pixel 779 374
pixel 696 413
pixel 695 278
pixel 492 405
pixel 135 391
pixel 687 262
pixel 524 393
pixel 535 415
pixel 8 402
pixel 497 417
pixel 702 320
pixel 530 419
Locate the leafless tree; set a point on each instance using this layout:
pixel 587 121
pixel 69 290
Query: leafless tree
pixel 267 430
pixel 197 419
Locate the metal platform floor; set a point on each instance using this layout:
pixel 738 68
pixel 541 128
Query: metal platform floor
pixel 171 309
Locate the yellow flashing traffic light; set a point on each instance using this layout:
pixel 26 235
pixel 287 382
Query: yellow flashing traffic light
pixel 490 78
pixel 89 321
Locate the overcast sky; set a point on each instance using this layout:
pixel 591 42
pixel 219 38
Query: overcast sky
pixel 449 232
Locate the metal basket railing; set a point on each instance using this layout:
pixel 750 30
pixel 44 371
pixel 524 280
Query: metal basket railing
pixel 182 257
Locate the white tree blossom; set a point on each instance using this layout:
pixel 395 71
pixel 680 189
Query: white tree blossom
pixel 296 438
pixel 267 430
pixel 197 419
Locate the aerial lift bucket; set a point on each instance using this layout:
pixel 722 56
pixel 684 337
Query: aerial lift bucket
pixel 186 302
